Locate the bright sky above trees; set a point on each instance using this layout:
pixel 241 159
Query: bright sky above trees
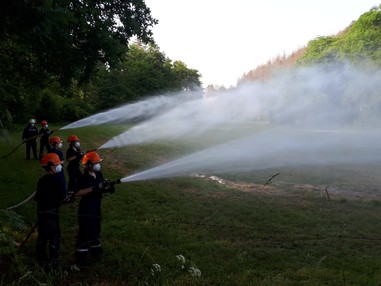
pixel 224 39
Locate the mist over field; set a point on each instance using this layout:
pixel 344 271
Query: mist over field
pixel 136 111
pixel 274 149
pixel 318 115
pixel 320 97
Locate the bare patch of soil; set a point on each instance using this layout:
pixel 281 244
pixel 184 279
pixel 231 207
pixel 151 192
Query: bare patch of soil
pixel 242 186
pixel 354 192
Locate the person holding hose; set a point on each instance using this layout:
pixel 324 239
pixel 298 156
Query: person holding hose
pixel 73 157
pixel 49 196
pixel 90 188
pixel 29 136
pixel 44 140
pixel 56 146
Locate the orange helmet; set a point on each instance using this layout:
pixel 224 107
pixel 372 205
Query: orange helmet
pixel 55 140
pixel 73 138
pixel 43 122
pixel 50 158
pixel 91 158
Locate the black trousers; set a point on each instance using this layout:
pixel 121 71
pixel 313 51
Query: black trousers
pixel 44 144
pixel 31 144
pixel 88 239
pixel 48 233
pixel 74 174
pixel 89 232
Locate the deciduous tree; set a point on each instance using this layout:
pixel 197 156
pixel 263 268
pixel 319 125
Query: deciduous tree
pixel 63 40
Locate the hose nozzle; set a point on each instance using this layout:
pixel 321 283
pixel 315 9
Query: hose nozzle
pixel 118 181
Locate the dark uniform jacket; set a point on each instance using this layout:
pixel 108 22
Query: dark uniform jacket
pixel 73 164
pixel 29 132
pixel 45 133
pixel 50 193
pixel 60 155
pixel 58 152
pixel 90 204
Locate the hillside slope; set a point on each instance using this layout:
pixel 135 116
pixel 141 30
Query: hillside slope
pixel 359 43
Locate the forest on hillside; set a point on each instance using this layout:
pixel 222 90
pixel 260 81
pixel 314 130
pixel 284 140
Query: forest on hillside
pixel 359 44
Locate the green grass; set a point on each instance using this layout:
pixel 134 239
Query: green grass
pixel 288 233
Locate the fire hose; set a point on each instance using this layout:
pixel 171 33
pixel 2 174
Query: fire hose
pixel 24 141
pixel 67 199
pixel 107 186
pixel 118 181
pixel 21 203
pixel 108 183
pixel 33 227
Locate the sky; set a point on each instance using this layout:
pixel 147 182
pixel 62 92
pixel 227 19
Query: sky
pixel 223 39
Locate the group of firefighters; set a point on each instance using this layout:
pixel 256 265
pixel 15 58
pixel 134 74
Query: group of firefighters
pixel 30 134
pixel 51 192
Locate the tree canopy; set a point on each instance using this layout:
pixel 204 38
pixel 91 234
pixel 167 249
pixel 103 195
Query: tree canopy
pixel 60 58
pixel 62 41
pixel 145 71
pixel 67 38
pixel 360 41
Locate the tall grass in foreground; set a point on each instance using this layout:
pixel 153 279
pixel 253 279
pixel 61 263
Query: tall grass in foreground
pixel 309 226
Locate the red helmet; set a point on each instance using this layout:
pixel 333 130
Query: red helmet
pixel 43 122
pixel 91 158
pixel 55 140
pixel 73 138
pixel 50 158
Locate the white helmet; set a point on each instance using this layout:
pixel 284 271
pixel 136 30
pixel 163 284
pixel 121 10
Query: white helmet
pixel 32 121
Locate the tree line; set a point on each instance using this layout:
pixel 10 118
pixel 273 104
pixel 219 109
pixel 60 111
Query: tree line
pixel 63 60
pixel 359 43
pixel 357 46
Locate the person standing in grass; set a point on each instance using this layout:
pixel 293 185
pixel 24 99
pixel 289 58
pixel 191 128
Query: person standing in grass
pixel 91 186
pixel 29 136
pixel 73 157
pixel 49 196
pixel 56 146
pixel 44 140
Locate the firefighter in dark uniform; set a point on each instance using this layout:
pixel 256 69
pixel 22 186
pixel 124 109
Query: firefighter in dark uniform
pixel 29 136
pixel 56 146
pixel 90 188
pixel 73 157
pixel 49 195
pixel 44 140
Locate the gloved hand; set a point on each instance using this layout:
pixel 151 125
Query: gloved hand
pixel 105 187
pixel 100 187
pixel 109 187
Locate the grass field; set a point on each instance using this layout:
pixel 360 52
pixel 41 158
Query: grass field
pixel 308 226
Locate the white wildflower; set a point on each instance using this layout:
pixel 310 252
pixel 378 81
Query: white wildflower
pixel 194 271
pixel 181 258
pixel 155 268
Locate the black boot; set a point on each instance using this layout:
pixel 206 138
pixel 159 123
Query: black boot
pixel 41 254
pixel 81 258
pixel 96 252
